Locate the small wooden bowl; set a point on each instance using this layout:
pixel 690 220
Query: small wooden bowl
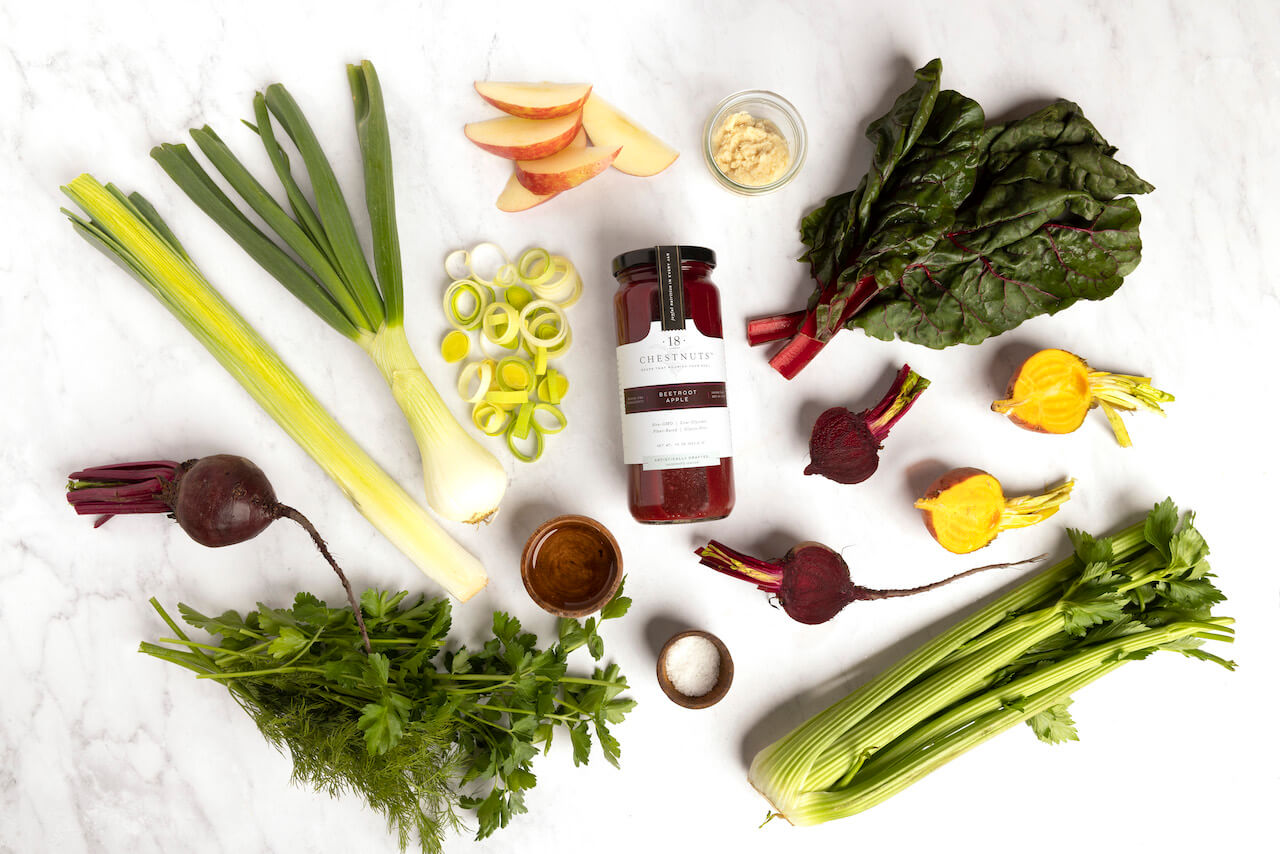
pixel 545 598
pixel 717 692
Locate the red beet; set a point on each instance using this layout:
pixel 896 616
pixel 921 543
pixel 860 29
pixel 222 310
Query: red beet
pixel 811 582
pixel 218 500
pixel 845 446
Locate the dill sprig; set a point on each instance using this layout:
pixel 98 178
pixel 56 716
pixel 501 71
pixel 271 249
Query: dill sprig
pixel 420 731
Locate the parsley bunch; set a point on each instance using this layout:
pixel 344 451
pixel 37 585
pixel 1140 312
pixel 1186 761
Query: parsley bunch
pixel 418 730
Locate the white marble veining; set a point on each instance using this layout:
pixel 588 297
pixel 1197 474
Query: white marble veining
pixel 105 750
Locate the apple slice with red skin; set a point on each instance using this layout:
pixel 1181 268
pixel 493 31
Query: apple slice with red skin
pixel 514 197
pixel 564 170
pixel 534 100
pixel 643 154
pixel 524 139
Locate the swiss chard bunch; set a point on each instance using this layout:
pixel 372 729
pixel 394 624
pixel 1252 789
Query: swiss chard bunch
pixel 417 729
pixel 961 230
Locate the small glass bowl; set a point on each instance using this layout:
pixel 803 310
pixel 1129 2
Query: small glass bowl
pixel 762 105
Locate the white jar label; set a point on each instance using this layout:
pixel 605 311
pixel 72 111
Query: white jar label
pixel 672 395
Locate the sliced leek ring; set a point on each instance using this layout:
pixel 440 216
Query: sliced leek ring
pixel 515 374
pixel 553 387
pixel 535 267
pixel 455 346
pixel 524 420
pixel 501 397
pixel 562 421
pixel 455 295
pixel 457 264
pixel 500 324
pixel 521 455
pixel 489 419
pixel 487 260
pixel 537 314
pixel 517 296
pixel 481 371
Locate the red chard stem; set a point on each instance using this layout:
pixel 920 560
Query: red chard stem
pixel 762 330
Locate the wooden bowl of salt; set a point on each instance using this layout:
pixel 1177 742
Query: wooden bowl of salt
pixel 695 669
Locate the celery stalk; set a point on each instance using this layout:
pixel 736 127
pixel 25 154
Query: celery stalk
pixel 130 232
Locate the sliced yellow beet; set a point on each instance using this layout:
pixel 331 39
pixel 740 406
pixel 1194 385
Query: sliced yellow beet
pixel 1054 390
pixel 1049 393
pixel 965 509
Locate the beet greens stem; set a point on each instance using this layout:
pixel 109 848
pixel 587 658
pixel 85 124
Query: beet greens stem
pixel 906 387
pixel 767 576
pixel 288 512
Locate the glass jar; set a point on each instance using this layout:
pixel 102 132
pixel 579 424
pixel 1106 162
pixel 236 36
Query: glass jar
pixel 671 381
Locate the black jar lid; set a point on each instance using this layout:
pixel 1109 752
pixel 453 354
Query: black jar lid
pixel 649 255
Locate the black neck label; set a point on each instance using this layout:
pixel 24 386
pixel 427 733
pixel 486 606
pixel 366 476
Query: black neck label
pixel 670 288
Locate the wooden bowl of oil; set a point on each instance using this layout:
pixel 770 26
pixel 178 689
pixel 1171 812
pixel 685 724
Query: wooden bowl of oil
pixel 571 566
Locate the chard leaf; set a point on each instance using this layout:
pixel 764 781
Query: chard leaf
pixel 966 232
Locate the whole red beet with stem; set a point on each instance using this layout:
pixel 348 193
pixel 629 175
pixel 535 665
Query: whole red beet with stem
pixel 811 582
pixel 219 500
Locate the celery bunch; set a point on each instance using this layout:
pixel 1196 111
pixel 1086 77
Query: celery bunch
pixel 1019 660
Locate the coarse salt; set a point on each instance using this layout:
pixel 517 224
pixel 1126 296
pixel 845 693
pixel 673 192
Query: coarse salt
pixel 693 665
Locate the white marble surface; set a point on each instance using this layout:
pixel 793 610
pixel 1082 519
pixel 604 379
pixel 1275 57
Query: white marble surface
pixel 102 749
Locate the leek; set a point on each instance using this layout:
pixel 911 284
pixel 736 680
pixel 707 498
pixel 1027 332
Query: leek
pixel 130 232
pixel 1018 660
pixel 329 273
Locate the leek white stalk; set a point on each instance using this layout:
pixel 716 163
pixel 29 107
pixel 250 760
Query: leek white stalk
pixel 129 231
pixel 465 482
pixel 318 257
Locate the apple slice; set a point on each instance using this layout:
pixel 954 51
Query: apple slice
pixel 567 169
pixel 535 100
pixel 642 154
pixel 515 197
pixel 524 139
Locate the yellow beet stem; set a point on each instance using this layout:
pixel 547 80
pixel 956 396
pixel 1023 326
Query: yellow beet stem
pixel 1027 510
pixel 1116 393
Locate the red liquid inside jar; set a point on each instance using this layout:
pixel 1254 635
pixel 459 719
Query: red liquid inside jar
pixel 662 489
